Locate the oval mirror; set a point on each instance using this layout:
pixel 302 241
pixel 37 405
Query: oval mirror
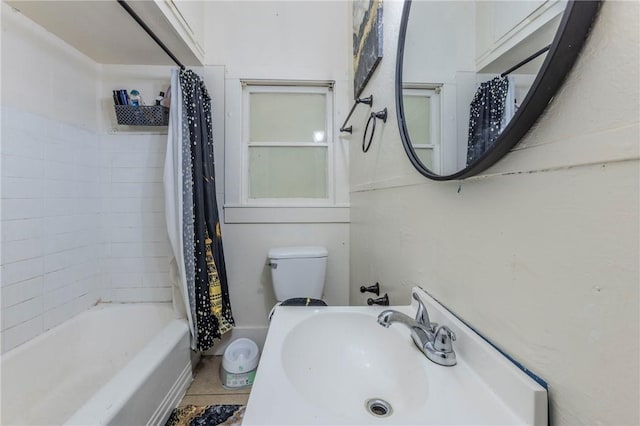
pixel 473 76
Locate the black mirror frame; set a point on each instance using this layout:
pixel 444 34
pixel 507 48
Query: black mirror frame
pixel 572 33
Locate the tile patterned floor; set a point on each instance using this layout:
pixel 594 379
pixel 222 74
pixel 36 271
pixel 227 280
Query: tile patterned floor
pixel 207 389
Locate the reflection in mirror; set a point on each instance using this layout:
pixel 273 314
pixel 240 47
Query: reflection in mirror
pixel 467 66
pixel 422 116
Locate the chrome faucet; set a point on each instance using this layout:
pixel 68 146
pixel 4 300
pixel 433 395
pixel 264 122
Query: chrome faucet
pixel 434 342
pixel 422 323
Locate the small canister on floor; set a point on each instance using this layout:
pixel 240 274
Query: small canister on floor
pixel 239 364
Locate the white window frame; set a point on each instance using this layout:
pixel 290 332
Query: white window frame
pixel 303 87
pixel 430 91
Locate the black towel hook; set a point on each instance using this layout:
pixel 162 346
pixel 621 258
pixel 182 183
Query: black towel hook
pixel 374 116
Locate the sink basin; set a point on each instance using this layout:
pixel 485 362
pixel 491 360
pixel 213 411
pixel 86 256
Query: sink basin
pixel 356 359
pixel 337 366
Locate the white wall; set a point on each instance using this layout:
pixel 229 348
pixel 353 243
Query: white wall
pixel 540 253
pixel 50 232
pixel 291 41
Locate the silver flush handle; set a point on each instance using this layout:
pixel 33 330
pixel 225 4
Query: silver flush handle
pixel 273 265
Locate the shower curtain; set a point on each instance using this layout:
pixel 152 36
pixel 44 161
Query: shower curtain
pixel 491 109
pixel 202 294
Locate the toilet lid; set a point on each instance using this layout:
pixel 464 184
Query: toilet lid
pixel 297 252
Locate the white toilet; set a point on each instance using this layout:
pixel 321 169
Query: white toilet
pixel 298 272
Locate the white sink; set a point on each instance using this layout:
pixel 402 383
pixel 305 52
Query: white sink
pixel 321 366
pixel 339 360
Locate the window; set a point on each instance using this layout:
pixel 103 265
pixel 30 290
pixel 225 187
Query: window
pixel 281 160
pixel 287 144
pixel 422 117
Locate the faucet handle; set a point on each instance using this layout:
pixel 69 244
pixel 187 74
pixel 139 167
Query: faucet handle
pixel 384 300
pixel 375 288
pixel 443 338
pixel 422 316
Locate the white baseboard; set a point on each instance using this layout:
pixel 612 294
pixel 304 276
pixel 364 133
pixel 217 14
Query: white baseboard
pixel 257 334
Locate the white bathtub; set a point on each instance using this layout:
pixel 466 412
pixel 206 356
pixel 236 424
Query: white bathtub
pixel 121 364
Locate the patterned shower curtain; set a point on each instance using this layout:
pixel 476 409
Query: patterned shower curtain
pixel 487 116
pixel 194 226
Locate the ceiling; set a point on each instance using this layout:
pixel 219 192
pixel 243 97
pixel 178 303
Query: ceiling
pixel 104 31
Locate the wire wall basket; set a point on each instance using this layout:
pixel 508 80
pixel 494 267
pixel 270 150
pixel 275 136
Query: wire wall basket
pixel 153 115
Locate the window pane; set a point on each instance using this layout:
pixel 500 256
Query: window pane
pixel 288 172
pixel 425 155
pixel 417 112
pixel 287 117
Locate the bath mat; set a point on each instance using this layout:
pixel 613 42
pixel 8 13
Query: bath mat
pixel 207 415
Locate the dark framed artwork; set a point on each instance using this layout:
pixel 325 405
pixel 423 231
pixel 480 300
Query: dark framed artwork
pixel 367 41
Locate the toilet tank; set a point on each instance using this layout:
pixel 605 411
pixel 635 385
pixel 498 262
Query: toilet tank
pixel 298 271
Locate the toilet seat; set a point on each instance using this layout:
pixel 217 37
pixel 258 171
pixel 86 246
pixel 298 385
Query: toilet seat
pixel 303 301
pixel 298 301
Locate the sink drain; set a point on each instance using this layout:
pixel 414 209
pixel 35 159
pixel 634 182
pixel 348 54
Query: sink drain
pixel 378 407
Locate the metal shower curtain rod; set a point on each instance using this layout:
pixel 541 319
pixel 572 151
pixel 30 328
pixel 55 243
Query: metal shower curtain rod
pixel 525 61
pixel 155 38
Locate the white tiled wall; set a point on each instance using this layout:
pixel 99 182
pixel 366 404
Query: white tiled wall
pixel 82 221
pixel 50 223
pixel 137 251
